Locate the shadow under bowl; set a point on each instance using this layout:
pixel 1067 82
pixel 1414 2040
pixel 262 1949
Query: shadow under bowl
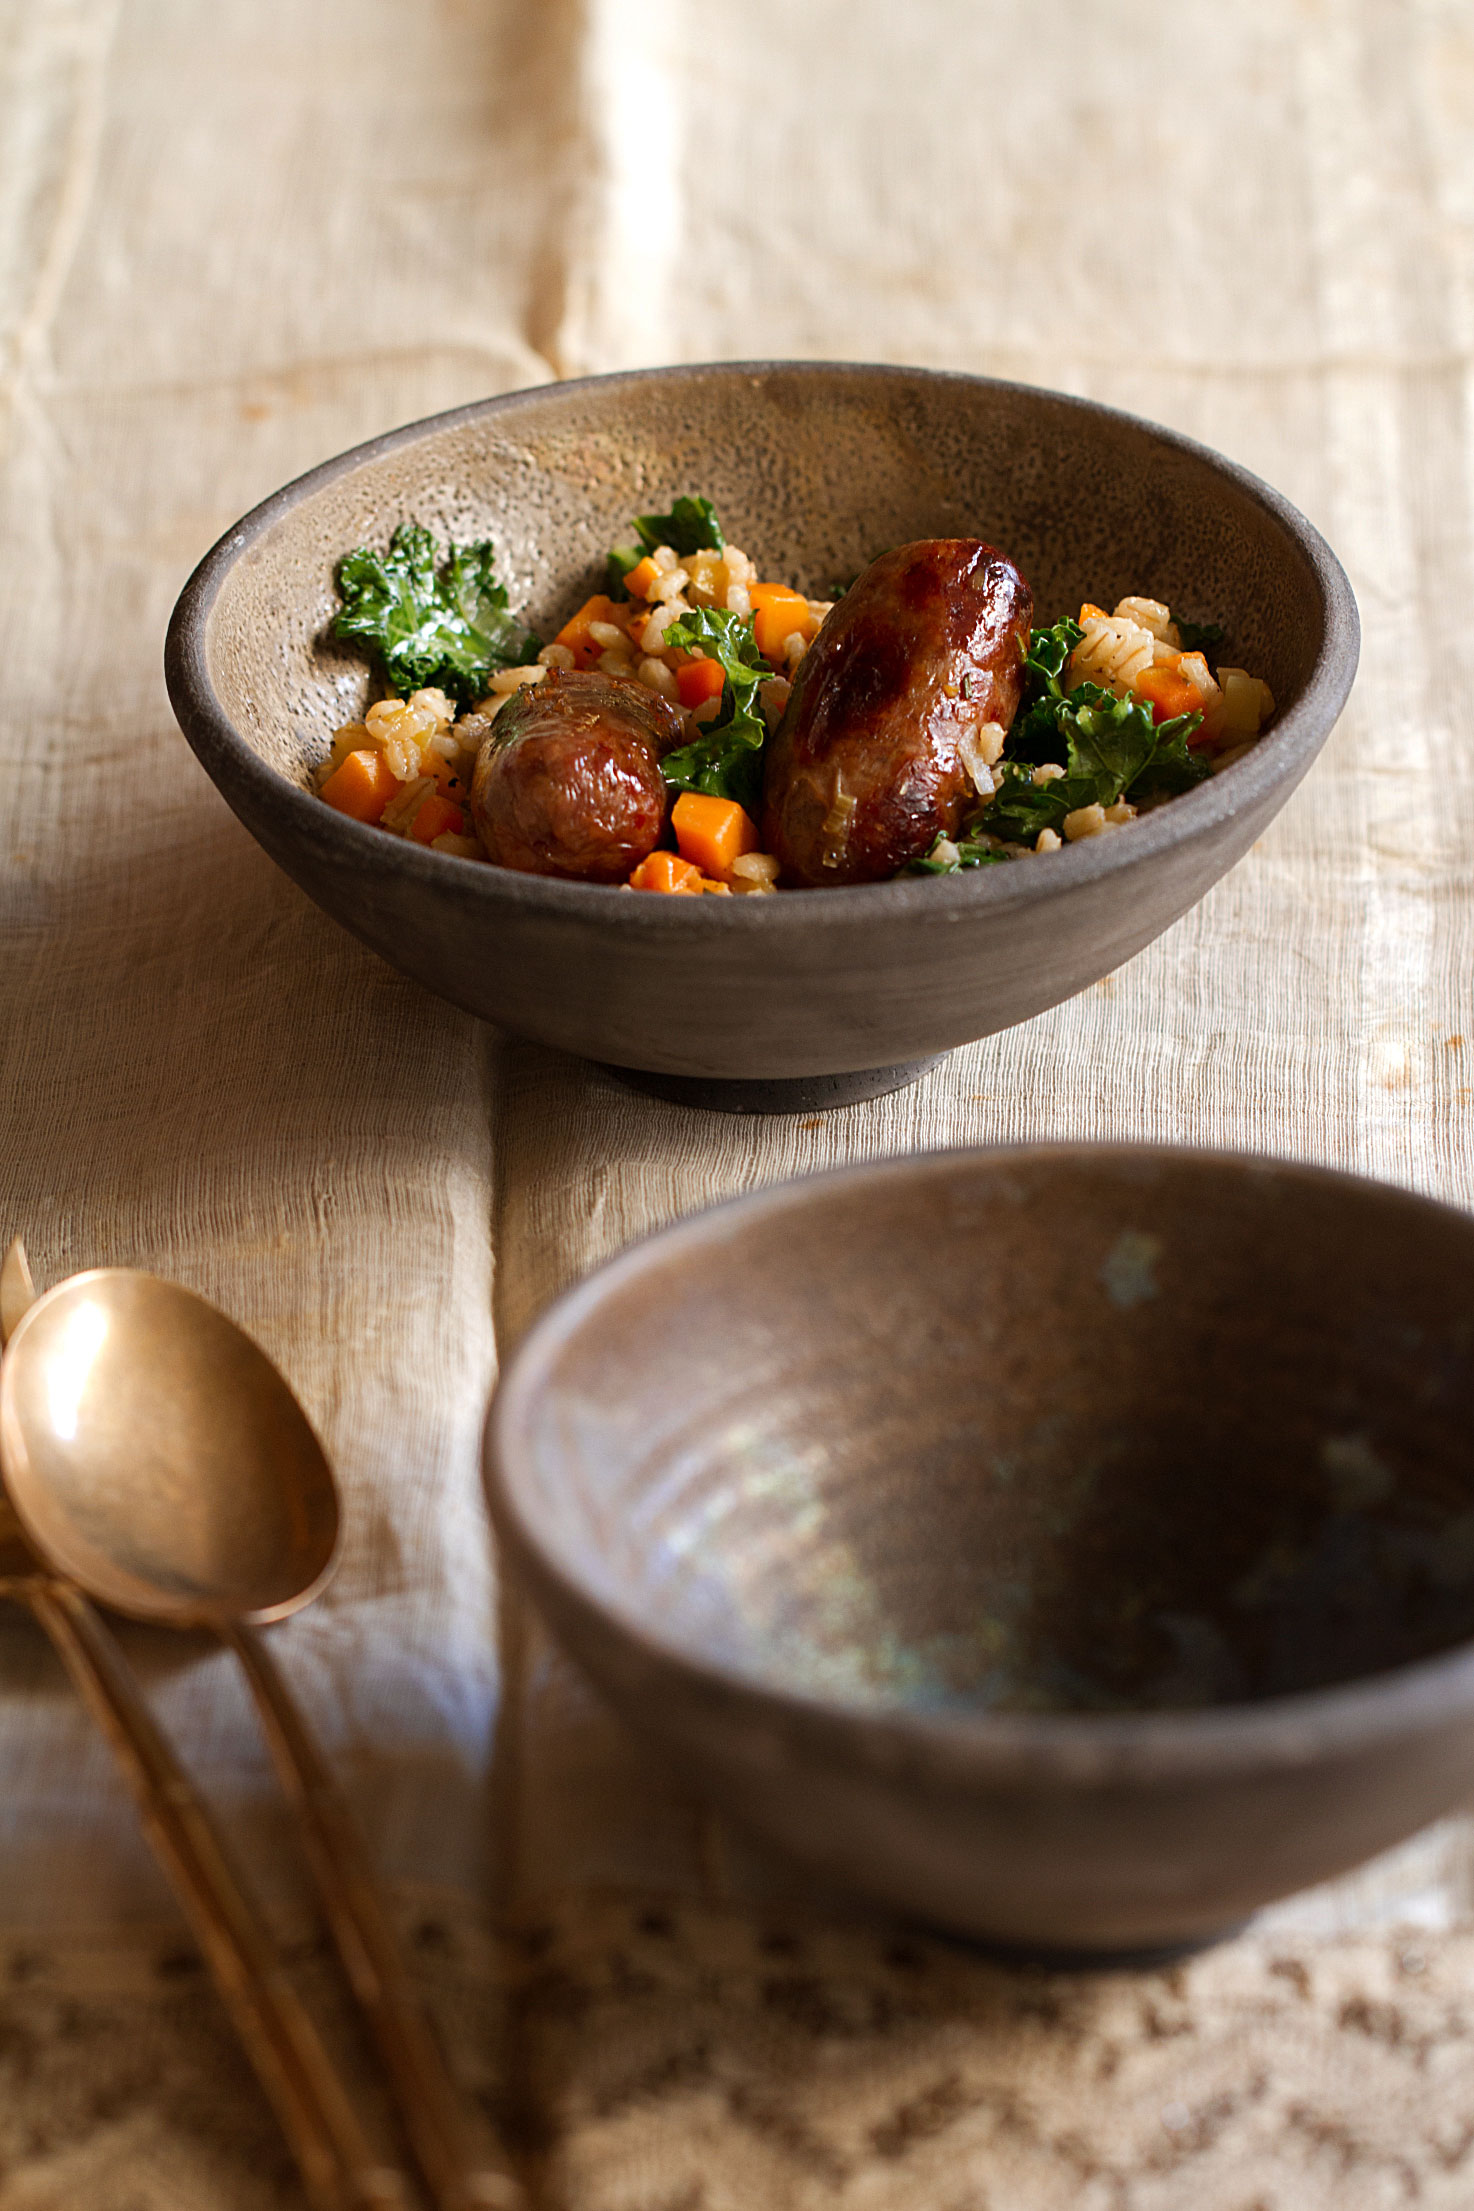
pixel 1069 1546
pixel 766 1004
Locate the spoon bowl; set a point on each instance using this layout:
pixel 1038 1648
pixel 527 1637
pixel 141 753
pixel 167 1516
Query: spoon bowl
pixel 154 1454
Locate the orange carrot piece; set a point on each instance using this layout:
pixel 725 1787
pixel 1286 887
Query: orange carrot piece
pixel 1089 612
pixel 1166 692
pixel 361 786
pixel 637 583
pixel 575 631
pixel 712 832
pixel 435 816
pixel 698 681
pixel 777 613
pixel 665 871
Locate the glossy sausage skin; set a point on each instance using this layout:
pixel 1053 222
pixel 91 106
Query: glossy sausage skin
pixel 863 773
pixel 568 781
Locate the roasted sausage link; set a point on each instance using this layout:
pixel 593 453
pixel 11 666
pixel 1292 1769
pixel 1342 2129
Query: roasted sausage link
pixel 879 750
pixel 568 780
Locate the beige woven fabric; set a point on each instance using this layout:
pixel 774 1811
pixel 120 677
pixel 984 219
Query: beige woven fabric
pixel 235 239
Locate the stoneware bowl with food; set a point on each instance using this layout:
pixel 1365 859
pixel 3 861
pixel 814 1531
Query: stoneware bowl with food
pixel 1070 1546
pixel 812 996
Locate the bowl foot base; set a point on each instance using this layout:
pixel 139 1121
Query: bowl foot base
pixel 795 1094
pixel 1148 1957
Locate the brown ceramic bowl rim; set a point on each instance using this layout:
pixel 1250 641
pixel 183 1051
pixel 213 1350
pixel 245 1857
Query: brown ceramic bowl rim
pixel 947 1745
pixel 1287 750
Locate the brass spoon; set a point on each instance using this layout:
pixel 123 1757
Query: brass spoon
pixel 155 1457
pixel 338 2164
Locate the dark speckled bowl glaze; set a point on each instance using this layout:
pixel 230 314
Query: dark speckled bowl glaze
pixel 1070 1545
pixel 806 998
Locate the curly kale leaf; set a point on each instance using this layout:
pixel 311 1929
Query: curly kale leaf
pixel 448 627
pixel 1044 662
pixel 1109 747
pixel 1108 740
pixel 1200 637
pixel 1023 807
pixel 727 758
pixel 948 856
pixel 690 527
pixel 1035 734
pixel 1174 766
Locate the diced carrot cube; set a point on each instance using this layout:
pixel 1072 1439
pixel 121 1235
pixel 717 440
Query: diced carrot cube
pixel 700 680
pixel 1089 612
pixel 644 573
pixel 777 613
pixel 712 832
pixel 575 632
pixel 1166 692
pixel 666 871
pixel 436 815
pixel 361 786
pixel 447 773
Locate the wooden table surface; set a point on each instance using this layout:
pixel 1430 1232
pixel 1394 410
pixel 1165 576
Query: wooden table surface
pixel 236 239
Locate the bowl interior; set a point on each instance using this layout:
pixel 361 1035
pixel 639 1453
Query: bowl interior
pixel 1063 1429
pixel 814 470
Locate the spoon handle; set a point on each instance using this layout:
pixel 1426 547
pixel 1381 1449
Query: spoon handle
pixel 429 2103
pixel 339 2166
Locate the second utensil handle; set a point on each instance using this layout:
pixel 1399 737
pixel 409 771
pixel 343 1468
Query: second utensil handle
pixel 338 2165
pixel 429 2102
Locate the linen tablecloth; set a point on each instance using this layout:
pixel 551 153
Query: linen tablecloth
pixel 236 239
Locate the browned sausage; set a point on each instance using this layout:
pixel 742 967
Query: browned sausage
pixel 863 773
pixel 568 781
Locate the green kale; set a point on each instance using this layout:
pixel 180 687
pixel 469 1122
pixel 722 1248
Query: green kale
pixel 690 527
pixel 1199 637
pixel 727 758
pixel 1109 747
pixel 970 852
pixel 622 558
pixel 1174 766
pixel 1048 651
pixel 1107 739
pixel 450 629
pixel 1035 733
pixel 1022 807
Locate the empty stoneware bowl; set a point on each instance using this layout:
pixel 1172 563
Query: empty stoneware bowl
pixel 1068 1546
pixel 808 998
